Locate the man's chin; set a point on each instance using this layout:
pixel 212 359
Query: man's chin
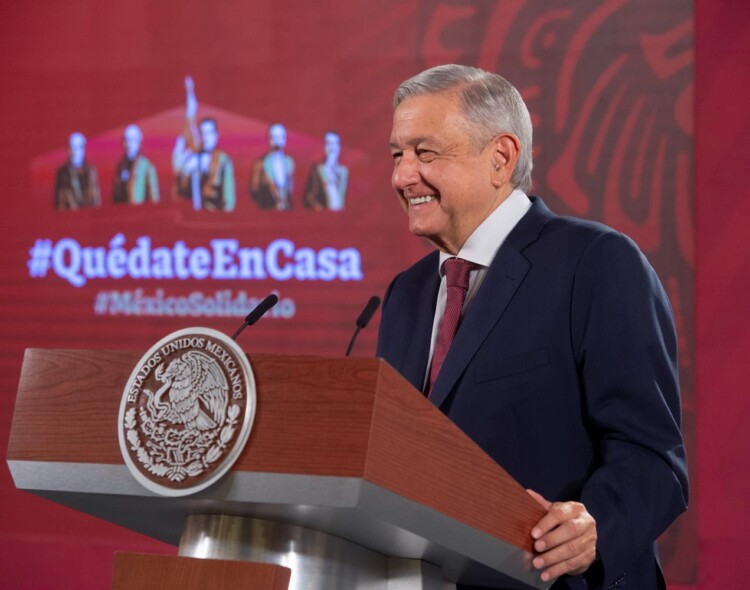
pixel 427 235
pixel 422 222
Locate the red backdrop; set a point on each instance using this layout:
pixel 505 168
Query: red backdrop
pixel 610 89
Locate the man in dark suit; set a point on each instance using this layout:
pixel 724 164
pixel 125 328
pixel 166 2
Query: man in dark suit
pixel 563 366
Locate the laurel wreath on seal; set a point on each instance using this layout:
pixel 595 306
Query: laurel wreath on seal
pixel 152 462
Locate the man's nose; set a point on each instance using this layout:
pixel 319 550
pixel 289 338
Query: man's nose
pixel 405 172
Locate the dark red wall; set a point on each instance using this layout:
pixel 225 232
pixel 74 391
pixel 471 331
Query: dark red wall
pixel 722 217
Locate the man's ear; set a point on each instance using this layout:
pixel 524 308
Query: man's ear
pixel 506 149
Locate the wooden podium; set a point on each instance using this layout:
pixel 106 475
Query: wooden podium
pixel 350 479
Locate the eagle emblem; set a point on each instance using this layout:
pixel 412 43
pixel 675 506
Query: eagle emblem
pixel 196 389
pixel 182 411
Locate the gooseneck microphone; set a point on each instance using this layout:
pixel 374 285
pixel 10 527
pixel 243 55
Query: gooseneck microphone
pixel 257 313
pixel 364 319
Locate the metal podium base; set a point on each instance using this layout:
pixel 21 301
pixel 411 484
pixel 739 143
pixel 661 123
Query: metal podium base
pixel 318 561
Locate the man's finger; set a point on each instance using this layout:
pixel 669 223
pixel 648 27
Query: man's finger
pixel 539 498
pixel 557 513
pixel 571 558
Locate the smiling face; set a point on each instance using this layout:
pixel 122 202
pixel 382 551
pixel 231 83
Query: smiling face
pixel 446 184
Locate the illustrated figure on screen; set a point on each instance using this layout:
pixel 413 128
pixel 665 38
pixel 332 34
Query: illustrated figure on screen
pixel 325 188
pixel 272 176
pixel 203 174
pixel 76 181
pixel 135 179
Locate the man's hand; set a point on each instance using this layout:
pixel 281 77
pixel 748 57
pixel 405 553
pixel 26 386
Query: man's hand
pixel 565 539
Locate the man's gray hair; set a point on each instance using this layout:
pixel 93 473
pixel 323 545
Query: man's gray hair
pixel 492 105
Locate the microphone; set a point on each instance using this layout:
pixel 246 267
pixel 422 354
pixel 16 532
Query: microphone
pixel 257 313
pixel 364 319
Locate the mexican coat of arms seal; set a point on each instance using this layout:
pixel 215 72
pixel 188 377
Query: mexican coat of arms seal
pixel 187 411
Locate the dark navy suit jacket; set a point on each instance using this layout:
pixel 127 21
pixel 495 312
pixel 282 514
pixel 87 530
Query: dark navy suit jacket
pixel 564 370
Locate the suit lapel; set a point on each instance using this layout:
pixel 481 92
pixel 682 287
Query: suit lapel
pixel 417 346
pixel 504 276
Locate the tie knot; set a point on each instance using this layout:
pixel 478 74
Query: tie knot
pixel 457 272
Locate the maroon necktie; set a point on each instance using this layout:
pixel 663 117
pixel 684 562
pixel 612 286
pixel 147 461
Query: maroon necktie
pixel 457 276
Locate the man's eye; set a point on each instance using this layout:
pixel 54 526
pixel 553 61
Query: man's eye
pixel 396 156
pixel 425 155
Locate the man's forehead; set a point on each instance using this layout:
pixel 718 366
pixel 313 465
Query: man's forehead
pixel 426 118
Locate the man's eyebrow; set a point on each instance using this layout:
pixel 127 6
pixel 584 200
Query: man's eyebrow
pixel 412 141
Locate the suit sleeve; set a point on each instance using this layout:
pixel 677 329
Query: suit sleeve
pixel 382 347
pixel 153 183
pixel 94 191
pixel 230 198
pixel 310 198
pixel 625 344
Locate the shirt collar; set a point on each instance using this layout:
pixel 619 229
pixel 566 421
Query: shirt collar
pixel 484 242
